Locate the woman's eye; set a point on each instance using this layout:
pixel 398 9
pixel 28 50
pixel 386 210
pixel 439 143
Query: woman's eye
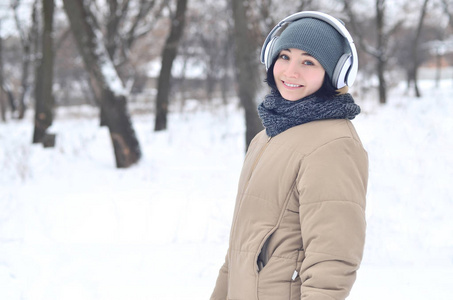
pixel 308 63
pixel 284 56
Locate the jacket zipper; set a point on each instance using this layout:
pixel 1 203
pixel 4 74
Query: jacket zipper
pixel 255 163
pixel 252 170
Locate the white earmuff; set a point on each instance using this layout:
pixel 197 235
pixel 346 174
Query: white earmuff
pixel 346 69
pixel 341 70
pixel 268 53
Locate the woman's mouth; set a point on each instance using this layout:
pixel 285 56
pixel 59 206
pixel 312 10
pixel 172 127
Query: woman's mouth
pixel 291 85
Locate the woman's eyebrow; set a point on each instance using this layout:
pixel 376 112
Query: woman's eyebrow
pixel 305 53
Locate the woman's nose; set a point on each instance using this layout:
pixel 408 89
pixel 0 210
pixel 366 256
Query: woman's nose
pixel 292 70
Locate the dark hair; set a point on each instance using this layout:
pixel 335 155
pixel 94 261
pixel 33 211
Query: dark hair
pixel 326 90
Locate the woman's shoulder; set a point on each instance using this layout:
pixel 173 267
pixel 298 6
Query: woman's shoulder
pixel 333 129
pixel 309 136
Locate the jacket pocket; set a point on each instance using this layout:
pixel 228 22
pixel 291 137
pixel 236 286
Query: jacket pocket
pixel 263 256
pixel 275 279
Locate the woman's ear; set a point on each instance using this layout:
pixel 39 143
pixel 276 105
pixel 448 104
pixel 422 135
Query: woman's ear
pixel 343 90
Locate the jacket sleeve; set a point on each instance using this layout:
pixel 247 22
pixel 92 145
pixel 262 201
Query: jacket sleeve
pixel 332 186
pixel 221 287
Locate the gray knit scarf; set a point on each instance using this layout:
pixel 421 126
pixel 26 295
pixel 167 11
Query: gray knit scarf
pixel 279 114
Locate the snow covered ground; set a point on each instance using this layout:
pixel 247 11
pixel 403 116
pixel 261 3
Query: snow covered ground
pixel 74 227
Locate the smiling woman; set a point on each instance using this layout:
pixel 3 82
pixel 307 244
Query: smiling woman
pixel 298 228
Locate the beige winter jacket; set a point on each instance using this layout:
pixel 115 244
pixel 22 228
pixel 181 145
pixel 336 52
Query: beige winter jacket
pixel 298 229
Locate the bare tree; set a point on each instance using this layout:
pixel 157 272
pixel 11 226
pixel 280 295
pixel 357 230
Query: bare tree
pixel 105 81
pixel 44 100
pixel 380 54
pixel 6 95
pixel 127 26
pixel 246 65
pixel 383 33
pixel 207 45
pixel 168 55
pixel 2 98
pixel 415 48
pixel 448 10
pixel 448 7
pixel 443 44
pixel 126 22
pixel 28 37
pixel 207 41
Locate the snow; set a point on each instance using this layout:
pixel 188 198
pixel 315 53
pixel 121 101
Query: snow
pixel 74 227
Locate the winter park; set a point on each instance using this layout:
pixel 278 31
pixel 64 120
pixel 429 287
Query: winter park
pixel 142 206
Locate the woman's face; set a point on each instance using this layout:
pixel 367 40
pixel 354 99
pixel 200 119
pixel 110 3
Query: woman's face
pixel 297 74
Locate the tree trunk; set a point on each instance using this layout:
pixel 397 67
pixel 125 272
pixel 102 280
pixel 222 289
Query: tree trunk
pixel 246 66
pixel 28 38
pixel 24 81
pixel 447 11
pixel 7 93
pixel 106 83
pixel 438 68
pixel 2 95
pixel 2 108
pixel 27 59
pixel 415 49
pixel 380 8
pixel 382 82
pixel 44 100
pixel 168 55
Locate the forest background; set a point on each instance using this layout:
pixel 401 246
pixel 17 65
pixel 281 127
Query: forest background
pixel 172 87
pixel 127 55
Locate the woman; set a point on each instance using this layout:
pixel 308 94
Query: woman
pixel 298 229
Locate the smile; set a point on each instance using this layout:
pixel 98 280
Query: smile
pixel 291 85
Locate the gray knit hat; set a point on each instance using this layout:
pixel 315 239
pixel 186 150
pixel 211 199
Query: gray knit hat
pixel 315 37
